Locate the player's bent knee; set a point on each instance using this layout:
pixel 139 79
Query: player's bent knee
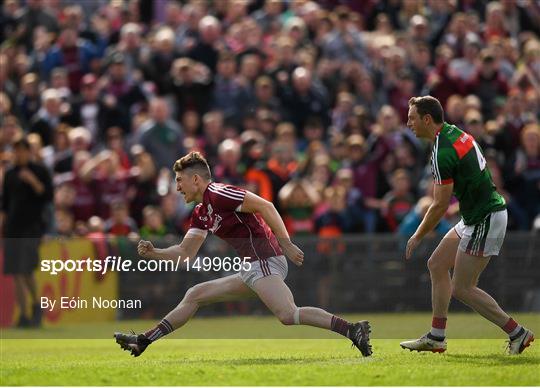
pixel 286 317
pixel 436 266
pixel 460 293
pixel 194 294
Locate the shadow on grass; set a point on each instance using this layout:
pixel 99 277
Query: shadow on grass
pixel 493 359
pixel 268 361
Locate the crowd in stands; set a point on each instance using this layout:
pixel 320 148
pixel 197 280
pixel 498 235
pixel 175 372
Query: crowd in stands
pixel 302 102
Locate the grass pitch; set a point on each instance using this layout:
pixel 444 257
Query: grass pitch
pixel 287 355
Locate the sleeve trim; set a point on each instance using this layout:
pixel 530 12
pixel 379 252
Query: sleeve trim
pixel 445 182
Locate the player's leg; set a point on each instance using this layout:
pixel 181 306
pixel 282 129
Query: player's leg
pixel 464 283
pixel 439 265
pixel 218 290
pixel 277 296
pixel 473 256
pixel 466 274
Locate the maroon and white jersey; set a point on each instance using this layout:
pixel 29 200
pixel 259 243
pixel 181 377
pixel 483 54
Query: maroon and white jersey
pixel 219 213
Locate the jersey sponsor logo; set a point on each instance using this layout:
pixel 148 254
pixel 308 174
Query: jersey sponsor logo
pixel 217 223
pixel 463 145
pixel 209 209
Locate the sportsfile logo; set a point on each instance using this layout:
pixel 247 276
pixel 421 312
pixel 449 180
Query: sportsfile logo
pixel 118 264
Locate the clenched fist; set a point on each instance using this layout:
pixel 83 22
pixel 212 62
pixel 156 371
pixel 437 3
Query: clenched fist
pixel 145 248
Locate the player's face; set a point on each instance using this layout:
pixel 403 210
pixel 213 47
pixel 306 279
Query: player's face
pixel 186 184
pixel 415 122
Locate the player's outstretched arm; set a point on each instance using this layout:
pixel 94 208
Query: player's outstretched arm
pixel 441 199
pixel 255 204
pixel 188 248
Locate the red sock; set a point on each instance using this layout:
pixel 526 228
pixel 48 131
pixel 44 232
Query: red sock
pixel 163 328
pixel 438 327
pixel 340 326
pixel 511 327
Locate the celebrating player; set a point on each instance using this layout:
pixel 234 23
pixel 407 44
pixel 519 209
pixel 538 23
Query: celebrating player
pixel 255 229
pixel 459 167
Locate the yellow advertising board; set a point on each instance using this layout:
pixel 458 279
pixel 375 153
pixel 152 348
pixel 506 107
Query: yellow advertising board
pixel 70 289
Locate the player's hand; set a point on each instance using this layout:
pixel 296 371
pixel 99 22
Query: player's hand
pixel 145 248
pixel 411 245
pixel 294 253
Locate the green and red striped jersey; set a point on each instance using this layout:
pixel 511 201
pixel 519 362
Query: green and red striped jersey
pixel 457 158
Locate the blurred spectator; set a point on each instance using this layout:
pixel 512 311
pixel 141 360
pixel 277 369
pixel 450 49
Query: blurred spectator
pixel 32 16
pixel 488 84
pixel 131 46
pixel 344 42
pixel 91 111
pixel 109 181
pixel 84 203
pixel 10 131
pixel 228 168
pixel 303 99
pixel 205 50
pixel 298 199
pixel 268 16
pixel 161 136
pixel 414 217
pixel 120 223
pixel 49 116
pixel 145 178
pixel 122 92
pixel 281 165
pixel 159 64
pixel 366 169
pixel 72 53
pixel 64 222
pixel 191 86
pixel 454 111
pixel 26 194
pixel 230 95
pixel 212 135
pixel 153 225
pixel 399 200
pixel 464 68
pixel 289 82
pixel 420 65
pixel 28 100
pixel 525 178
pixel 173 212
pixel 512 120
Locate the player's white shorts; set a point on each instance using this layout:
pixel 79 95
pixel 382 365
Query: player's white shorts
pixel 485 238
pixel 276 265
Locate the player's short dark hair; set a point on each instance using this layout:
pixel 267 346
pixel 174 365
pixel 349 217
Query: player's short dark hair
pixel 428 105
pixel 195 163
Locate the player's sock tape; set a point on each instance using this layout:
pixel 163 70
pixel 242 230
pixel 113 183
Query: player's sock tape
pixel 296 316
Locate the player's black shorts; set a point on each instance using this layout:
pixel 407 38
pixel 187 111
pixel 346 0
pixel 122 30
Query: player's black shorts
pixel 21 255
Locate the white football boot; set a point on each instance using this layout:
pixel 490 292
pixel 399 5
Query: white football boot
pixel 424 344
pixel 519 344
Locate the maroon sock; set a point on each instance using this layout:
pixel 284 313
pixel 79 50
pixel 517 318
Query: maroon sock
pixel 163 328
pixel 512 328
pixel 340 326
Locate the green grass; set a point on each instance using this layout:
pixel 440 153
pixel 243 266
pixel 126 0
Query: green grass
pixel 275 360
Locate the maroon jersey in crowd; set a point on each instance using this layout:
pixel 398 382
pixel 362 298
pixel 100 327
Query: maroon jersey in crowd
pixel 246 232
